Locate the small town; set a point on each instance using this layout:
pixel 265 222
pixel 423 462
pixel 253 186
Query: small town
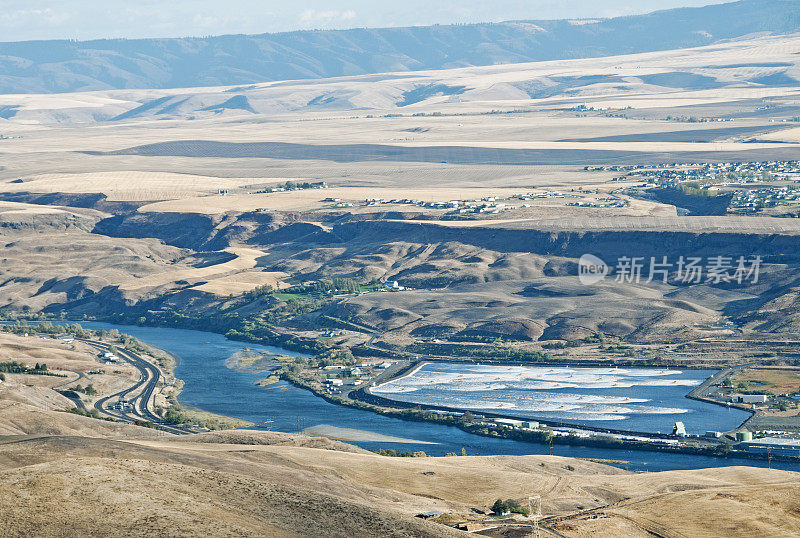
pixel 707 175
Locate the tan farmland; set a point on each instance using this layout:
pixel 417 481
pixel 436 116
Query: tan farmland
pixel 245 259
pixel 242 282
pixel 129 186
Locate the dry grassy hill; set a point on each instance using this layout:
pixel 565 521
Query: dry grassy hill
pixel 74 485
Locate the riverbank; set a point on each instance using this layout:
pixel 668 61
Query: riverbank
pixel 167 411
pixel 202 397
pixel 354 436
pixel 210 421
pixel 280 407
pixel 699 393
pixel 458 352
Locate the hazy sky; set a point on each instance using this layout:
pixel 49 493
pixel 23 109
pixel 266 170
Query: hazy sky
pixel 90 19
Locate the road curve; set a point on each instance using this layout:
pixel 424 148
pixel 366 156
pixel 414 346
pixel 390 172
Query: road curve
pixel 149 377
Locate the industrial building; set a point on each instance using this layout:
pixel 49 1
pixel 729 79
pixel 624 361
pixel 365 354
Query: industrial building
pixel 508 422
pixel 679 429
pixel 749 398
pixel 773 445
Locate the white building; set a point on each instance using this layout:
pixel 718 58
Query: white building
pixel 509 423
pixel 749 398
pixel 679 429
pixel 774 445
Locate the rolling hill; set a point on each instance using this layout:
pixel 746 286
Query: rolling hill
pixel 688 80
pixel 68 66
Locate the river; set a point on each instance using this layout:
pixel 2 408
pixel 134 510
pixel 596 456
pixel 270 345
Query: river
pixel 209 385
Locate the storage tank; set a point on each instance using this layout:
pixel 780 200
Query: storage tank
pixel 744 435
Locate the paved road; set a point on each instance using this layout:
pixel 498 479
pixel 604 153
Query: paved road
pixel 76 399
pixel 80 375
pixel 142 404
pixel 70 394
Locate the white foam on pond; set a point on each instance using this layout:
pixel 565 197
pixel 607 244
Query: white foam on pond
pixel 558 393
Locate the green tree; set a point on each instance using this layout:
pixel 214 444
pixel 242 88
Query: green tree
pixel 76 330
pixel 499 507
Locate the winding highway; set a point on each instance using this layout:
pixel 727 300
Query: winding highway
pixel 142 404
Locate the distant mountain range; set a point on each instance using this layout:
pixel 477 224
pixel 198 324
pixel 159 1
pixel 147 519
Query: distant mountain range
pixel 67 66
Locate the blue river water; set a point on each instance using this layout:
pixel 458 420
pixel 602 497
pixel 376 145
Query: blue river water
pixel 211 386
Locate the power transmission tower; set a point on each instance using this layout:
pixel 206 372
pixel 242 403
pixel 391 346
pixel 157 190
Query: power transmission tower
pixel 535 501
